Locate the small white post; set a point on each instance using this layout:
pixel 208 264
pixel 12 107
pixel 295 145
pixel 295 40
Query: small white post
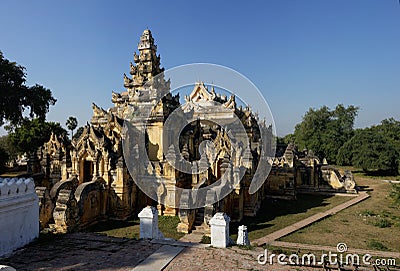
pixel 243 237
pixel 220 230
pixel 148 223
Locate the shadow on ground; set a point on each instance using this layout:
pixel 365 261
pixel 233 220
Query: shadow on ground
pixel 112 225
pixel 275 208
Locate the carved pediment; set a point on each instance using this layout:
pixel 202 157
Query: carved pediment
pixel 54 145
pixel 200 93
pixel 77 143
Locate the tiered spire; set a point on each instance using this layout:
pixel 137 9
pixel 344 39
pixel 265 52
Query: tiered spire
pixel 146 83
pixel 146 65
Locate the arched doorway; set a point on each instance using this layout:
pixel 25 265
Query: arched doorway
pixel 87 171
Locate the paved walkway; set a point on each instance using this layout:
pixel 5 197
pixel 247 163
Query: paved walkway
pixel 233 258
pixel 81 251
pixel 193 237
pixel 305 222
pixel 159 259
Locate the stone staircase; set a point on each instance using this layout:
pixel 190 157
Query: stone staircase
pixel 198 230
pixel 199 220
pixel 200 227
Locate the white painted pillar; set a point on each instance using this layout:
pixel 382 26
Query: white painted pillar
pixel 243 237
pixel 149 223
pixel 220 230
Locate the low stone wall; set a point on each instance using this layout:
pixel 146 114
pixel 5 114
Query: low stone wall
pixel 81 207
pixel 19 213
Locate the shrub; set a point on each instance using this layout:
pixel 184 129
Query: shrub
pixel 395 194
pixel 367 213
pixel 205 239
pixel 382 223
pixel 373 244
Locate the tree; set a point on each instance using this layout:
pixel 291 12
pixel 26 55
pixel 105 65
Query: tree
pixel 16 97
pixel 72 123
pixel 3 159
pixel 369 150
pixel 32 134
pixel 324 131
pixel 289 138
pixel 390 130
pixel 8 147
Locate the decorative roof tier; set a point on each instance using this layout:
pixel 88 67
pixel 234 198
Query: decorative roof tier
pixel 147 81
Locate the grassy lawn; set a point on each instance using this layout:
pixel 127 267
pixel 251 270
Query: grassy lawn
pixel 131 228
pixel 371 224
pixel 276 214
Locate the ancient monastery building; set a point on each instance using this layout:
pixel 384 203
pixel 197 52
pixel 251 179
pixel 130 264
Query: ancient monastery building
pixel 90 180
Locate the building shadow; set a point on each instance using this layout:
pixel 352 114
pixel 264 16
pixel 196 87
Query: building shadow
pixel 273 208
pixel 112 225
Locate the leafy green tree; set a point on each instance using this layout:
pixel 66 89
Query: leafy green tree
pixel 369 150
pixel 390 130
pixel 324 131
pixel 32 134
pixel 4 157
pixel 8 147
pixel 16 97
pixel 280 140
pixel 72 123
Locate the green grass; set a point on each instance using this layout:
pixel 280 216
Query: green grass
pixel 359 226
pixel 374 244
pixel 276 214
pixel 205 239
pixel 382 223
pixel 367 213
pixel 131 228
pixel 167 225
pixel 115 228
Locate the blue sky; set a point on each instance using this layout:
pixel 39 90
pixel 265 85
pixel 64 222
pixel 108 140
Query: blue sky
pixel 299 53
